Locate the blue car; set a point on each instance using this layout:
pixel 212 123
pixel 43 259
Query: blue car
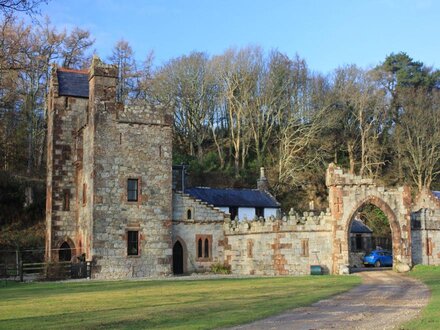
pixel 378 258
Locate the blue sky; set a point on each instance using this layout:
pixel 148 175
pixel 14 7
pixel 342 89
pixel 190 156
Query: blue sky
pixel 327 34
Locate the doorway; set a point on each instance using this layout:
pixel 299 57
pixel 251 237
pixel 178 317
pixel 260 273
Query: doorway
pixel 65 252
pixel 370 238
pixel 177 258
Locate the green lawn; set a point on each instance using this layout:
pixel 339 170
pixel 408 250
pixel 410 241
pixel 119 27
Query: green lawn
pixel 430 317
pixel 179 304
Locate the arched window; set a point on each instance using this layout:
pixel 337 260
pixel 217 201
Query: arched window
pixel 200 248
pixel 204 247
pixel 188 214
pixel 206 255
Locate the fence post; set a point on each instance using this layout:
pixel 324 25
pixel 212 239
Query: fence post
pixel 89 269
pixel 17 262
pixel 21 266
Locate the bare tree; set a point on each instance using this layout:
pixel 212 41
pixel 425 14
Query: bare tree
pixel 123 57
pixel 74 47
pixel 359 108
pixel 237 76
pixel 298 148
pixel 418 135
pixel 26 55
pixel 187 85
pixel 30 7
pixel 146 79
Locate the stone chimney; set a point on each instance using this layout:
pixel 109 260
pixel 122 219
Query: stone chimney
pixel 262 183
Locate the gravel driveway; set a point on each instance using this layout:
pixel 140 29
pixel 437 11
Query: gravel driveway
pixel 384 300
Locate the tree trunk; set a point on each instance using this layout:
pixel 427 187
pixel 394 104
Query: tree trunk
pixel 350 149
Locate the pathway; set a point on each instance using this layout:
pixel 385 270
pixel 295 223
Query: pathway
pixel 385 300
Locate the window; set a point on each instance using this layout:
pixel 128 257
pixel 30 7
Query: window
pixel 204 247
pixel 188 214
pixel 199 248
pixel 305 247
pixel 206 254
pixel 66 200
pixel 133 243
pixel 233 211
pixel 359 244
pixel 132 190
pixel 259 212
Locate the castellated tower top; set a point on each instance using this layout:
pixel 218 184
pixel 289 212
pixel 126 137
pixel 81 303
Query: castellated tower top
pixel 335 176
pixel 99 68
pixel 98 84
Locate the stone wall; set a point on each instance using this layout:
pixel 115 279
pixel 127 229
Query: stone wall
pixel 204 221
pixel 425 222
pixel 287 246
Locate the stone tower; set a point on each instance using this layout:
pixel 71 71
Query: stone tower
pixel 109 177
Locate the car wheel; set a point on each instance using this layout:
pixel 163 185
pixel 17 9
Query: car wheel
pixel 377 264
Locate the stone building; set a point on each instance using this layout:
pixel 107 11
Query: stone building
pixel 110 196
pixel 425 228
pixel 109 176
pixel 360 242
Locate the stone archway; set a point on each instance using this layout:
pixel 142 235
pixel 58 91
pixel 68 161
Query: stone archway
pixel 348 193
pixel 396 233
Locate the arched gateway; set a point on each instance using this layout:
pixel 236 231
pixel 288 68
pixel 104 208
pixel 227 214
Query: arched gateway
pixel 347 194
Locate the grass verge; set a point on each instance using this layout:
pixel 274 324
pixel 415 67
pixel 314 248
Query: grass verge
pixel 430 316
pixel 168 304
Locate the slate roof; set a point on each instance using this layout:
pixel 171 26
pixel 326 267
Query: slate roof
pixel 234 197
pixel 73 83
pixel 436 194
pixel 358 227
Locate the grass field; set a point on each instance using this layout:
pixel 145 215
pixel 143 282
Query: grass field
pixel 180 304
pixel 430 317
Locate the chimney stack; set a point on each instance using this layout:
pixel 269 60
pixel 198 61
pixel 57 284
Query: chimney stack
pixel 262 183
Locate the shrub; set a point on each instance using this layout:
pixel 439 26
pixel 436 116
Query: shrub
pixel 219 268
